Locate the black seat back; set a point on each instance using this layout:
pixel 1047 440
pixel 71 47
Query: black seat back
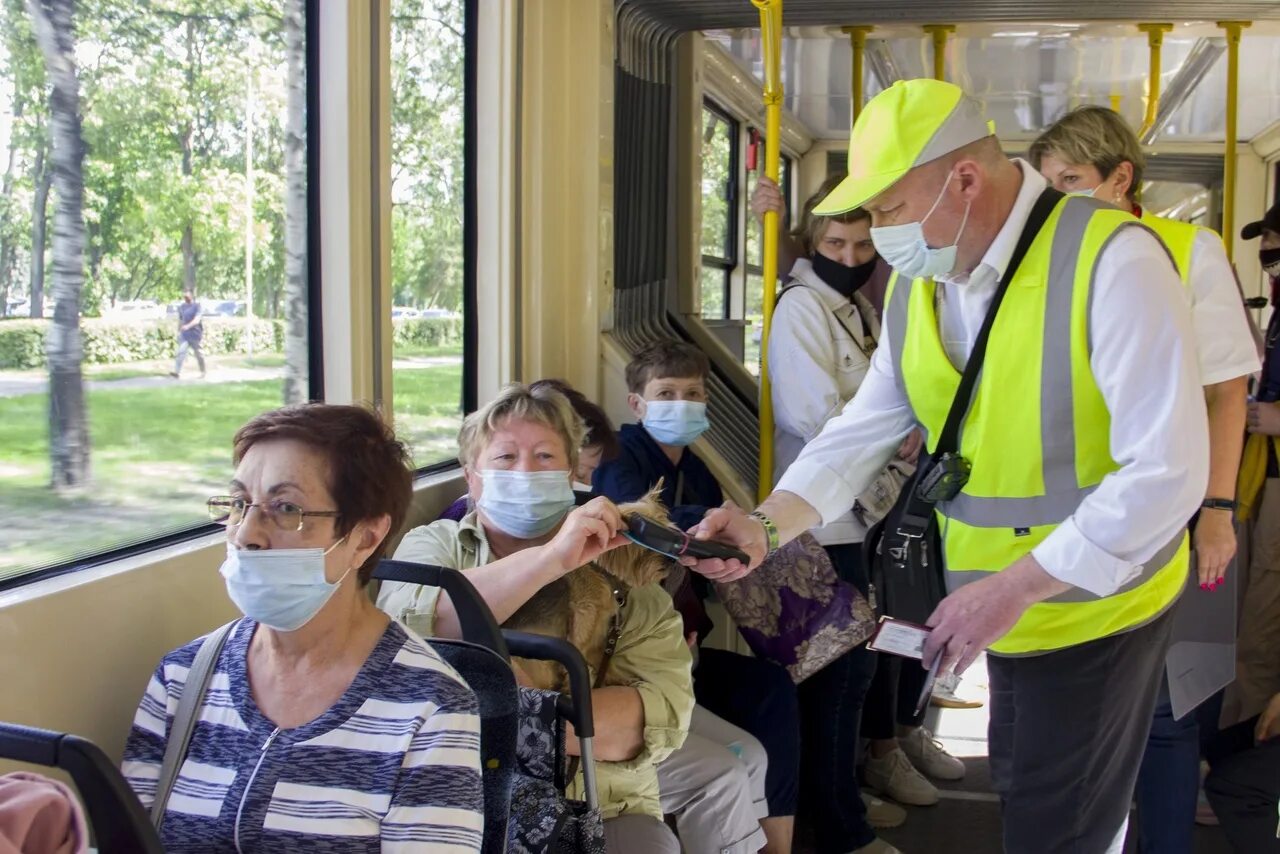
pixel 120 826
pixel 481 659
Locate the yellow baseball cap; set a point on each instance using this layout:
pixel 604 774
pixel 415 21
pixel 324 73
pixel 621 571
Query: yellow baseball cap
pixel 905 126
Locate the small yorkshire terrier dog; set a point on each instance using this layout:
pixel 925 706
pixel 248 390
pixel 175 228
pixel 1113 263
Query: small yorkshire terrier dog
pixel 580 606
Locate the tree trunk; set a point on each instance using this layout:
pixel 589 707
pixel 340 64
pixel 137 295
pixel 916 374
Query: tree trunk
pixel 188 235
pixel 6 238
pixel 54 25
pixel 295 207
pixel 42 176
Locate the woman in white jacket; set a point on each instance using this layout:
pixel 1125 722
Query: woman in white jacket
pixel 823 335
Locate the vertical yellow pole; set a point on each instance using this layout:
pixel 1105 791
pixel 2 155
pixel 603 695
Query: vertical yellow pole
pixel 1234 30
pixel 857 86
pixel 771 42
pixel 1155 41
pixel 939 33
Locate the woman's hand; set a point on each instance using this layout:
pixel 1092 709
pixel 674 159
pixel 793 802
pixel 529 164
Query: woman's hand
pixel 1269 722
pixel 1264 418
pixel 910 450
pixel 587 532
pixel 767 197
pixel 1215 542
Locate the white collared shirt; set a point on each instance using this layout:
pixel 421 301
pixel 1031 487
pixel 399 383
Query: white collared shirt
pixel 1144 359
pixel 1224 339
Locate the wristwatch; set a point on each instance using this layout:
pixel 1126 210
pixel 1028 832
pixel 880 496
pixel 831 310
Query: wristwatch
pixel 770 531
pixel 1219 504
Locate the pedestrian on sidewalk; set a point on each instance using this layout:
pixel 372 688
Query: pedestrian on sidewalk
pixel 190 333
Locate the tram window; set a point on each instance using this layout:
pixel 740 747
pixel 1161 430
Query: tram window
pixel 427 255
pixel 183 168
pixel 719 209
pixel 753 294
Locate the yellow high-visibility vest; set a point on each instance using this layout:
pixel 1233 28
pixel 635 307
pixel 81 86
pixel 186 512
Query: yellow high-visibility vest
pixel 1178 237
pixel 1037 432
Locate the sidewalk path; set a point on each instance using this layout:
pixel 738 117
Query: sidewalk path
pixel 17 383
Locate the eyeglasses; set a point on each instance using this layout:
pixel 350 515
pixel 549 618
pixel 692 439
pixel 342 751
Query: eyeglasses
pixel 285 515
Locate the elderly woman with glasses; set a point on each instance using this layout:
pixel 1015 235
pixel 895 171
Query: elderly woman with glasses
pixel 326 725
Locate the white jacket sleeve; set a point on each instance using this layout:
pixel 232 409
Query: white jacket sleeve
pixel 802 365
pixel 853 447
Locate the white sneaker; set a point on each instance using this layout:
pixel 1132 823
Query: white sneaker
pixel 881 814
pixel 895 776
pixel 877 846
pixel 927 754
pixel 945 696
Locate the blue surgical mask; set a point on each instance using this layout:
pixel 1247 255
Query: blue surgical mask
pixel 903 247
pixel 525 504
pixel 1088 194
pixel 282 589
pixel 675 422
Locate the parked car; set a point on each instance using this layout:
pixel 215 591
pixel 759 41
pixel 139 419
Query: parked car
pixel 225 308
pixel 400 312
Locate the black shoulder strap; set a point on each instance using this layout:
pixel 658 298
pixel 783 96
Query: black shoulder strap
pixel 947 442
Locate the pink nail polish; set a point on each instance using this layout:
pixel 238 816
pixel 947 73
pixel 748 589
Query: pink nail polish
pixel 1204 587
pixel 1220 580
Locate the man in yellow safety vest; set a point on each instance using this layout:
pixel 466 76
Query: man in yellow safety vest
pixel 1086 445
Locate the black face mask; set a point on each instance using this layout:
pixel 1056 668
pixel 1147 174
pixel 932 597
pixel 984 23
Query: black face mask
pixel 1270 259
pixel 845 280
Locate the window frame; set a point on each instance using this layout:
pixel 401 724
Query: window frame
pixel 729 263
pixel 470 395
pixel 315 318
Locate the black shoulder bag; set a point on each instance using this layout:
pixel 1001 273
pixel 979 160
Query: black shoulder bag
pixel 903 553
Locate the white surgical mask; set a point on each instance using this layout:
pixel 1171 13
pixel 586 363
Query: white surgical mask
pixel 525 504
pixel 904 248
pixel 282 589
pixel 675 422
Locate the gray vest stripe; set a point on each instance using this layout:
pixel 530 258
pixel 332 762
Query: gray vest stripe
pixel 895 318
pixel 1057 398
pixel 1014 512
pixel 1076 595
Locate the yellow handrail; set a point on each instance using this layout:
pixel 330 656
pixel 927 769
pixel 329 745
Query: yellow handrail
pixel 1155 41
pixel 771 45
pixel 939 33
pixel 1234 30
pixel 858 43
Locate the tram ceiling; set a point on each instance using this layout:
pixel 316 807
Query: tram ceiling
pixel 727 14
pixel 1027 76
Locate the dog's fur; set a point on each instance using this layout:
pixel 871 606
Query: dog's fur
pixel 579 606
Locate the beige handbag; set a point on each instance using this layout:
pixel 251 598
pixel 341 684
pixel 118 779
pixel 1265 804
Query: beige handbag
pixel 878 499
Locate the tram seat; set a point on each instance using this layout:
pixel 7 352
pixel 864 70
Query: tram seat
pixel 481 658
pixel 118 822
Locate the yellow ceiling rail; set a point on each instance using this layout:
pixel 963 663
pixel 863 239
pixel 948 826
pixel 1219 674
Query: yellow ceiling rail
pixel 857 87
pixel 1234 30
pixel 771 47
pixel 1155 41
pixel 940 32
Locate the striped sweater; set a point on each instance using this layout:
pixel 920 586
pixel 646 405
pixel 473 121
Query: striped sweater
pixel 394 765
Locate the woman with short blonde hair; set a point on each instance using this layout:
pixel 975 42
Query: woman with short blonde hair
pixel 1092 151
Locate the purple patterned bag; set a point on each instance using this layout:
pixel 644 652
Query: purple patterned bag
pixel 795 611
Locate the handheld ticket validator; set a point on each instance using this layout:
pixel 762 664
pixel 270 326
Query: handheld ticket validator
pixel 945 478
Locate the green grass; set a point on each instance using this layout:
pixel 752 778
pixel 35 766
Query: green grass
pixel 158 453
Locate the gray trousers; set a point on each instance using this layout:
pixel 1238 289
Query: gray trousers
pixel 1067 734
pixel 714 785
pixel 639 834
pixel 183 347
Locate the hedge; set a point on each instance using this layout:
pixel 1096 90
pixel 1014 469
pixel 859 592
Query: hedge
pixel 428 331
pixel 113 341
pixel 109 341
